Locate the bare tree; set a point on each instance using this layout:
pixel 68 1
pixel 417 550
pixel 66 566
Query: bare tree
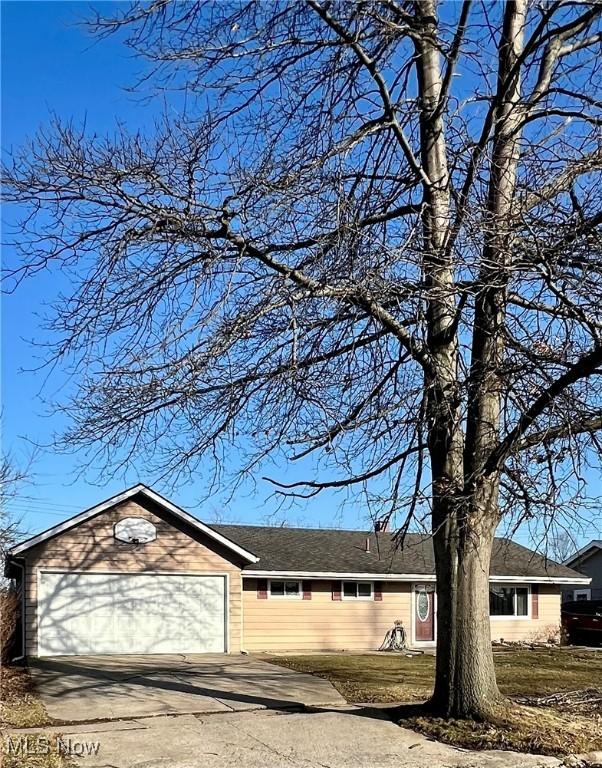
pixel 11 476
pixel 562 546
pixel 372 237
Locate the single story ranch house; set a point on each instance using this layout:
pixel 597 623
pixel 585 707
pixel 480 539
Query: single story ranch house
pixel 137 574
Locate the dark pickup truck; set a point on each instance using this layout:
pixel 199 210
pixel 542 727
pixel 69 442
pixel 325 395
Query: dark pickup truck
pixel 582 622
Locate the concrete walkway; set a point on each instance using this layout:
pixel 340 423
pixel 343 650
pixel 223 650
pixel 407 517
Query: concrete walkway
pixel 78 689
pixel 344 738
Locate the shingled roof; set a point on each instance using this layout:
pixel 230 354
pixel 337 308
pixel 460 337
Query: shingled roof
pixel 320 550
pixel 335 551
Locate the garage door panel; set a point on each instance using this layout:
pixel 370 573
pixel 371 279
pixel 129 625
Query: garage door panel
pixel 91 613
pixel 66 643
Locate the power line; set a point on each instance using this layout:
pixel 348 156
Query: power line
pixel 41 508
pixel 38 500
pixel 42 503
pixel 34 511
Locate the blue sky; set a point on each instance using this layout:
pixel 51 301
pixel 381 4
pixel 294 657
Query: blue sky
pixel 50 65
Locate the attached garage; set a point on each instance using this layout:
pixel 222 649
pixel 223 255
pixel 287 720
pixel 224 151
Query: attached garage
pixel 109 613
pixel 138 575
pixel 135 574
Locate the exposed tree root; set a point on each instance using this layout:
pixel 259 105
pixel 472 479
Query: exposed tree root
pixel 541 730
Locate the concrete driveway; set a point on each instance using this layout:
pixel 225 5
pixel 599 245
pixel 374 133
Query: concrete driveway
pixel 224 712
pixel 80 689
pixel 349 737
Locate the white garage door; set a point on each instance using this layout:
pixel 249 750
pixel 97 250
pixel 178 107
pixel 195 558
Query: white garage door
pixel 98 613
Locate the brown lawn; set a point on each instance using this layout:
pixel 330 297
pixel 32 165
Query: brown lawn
pixel 572 723
pixel 21 708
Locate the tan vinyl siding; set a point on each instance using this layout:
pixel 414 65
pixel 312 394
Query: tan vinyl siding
pixel 289 624
pixel 319 623
pixel 324 624
pixel 91 546
pixel 547 625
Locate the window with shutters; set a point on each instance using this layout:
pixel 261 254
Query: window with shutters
pixel 282 588
pixel 508 602
pixel 358 590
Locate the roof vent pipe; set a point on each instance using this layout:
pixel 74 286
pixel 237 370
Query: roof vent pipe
pixel 367 543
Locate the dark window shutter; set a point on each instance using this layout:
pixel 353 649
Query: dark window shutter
pixel 262 589
pixel 336 590
pixel 535 601
pixel 378 591
pixel 306 586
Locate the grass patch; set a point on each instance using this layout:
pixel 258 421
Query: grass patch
pixel 538 730
pixel 554 729
pixel 369 678
pixel 541 672
pixel 21 708
pixel 32 760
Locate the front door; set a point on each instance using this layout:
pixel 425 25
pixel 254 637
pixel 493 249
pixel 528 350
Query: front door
pixel 424 613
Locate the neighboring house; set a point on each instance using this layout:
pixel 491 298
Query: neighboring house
pixel 588 562
pixel 136 574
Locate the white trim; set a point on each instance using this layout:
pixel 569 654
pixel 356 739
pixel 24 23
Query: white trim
pixel 227 609
pixel 423 643
pixel 539 579
pixel 350 576
pixel 242 615
pixel 586 592
pixel 515 616
pixel 347 576
pixel 357 597
pixel 90 571
pixel 121 497
pixel 298 596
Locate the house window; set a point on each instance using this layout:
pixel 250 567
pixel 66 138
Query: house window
pixel 282 588
pixel 508 601
pixel 357 590
pixel 582 594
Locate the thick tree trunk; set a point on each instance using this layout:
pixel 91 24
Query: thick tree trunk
pixel 465 678
pixel 465 684
pixel 465 513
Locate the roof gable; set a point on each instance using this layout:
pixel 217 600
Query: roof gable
pixel 584 552
pixel 138 490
